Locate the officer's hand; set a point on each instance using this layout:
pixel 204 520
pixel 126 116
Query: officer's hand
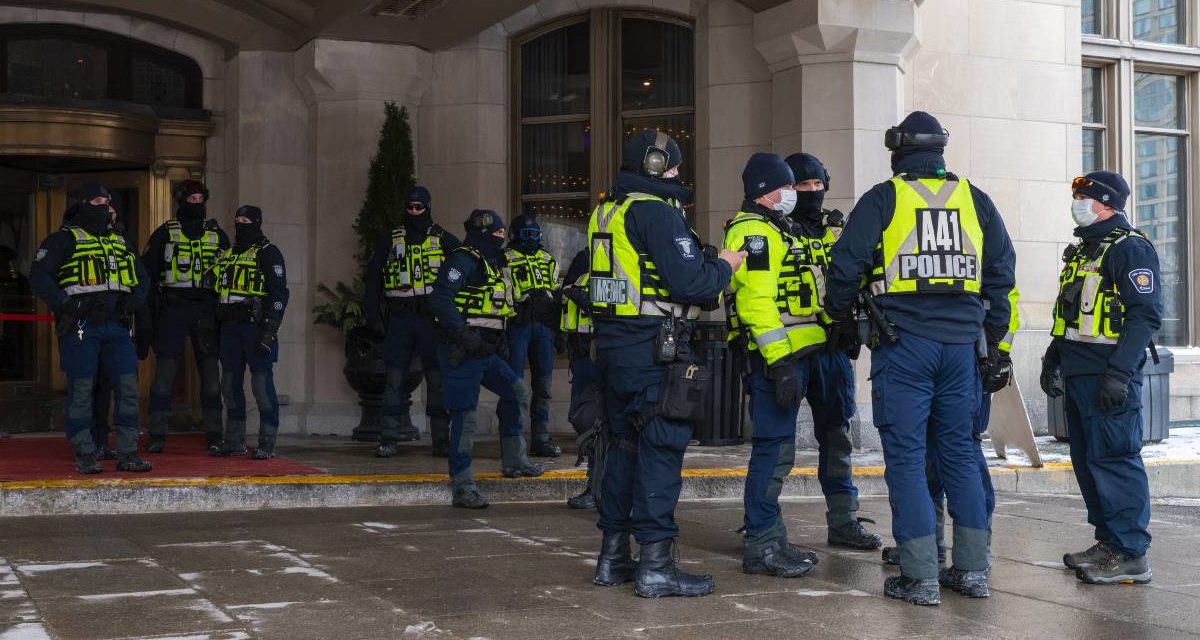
pixel 998 371
pixel 734 258
pixel 789 388
pixel 471 342
pixel 267 337
pixel 1114 389
pixel 1049 379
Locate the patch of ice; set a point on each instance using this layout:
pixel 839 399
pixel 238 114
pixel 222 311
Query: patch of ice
pixel 102 597
pixel 1048 564
pixel 263 605
pixel 212 543
pixel 189 577
pixel 420 629
pixel 211 609
pixel 378 526
pixel 12 594
pixel 25 631
pixel 34 569
pixel 310 572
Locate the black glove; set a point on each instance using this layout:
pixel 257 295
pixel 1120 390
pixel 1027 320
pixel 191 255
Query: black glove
pixel 1114 389
pixel 997 371
pixel 472 343
pixel 268 334
pixel 373 329
pixel 710 252
pixel 789 388
pixel 842 332
pixel 544 308
pixel 1049 378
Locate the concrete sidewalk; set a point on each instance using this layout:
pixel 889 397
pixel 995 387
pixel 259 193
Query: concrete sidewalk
pixel 523 571
pixel 353 476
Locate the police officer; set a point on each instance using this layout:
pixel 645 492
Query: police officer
pixel 252 293
pixel 532 276
pixel 648 278
pixel 471 304
pixel 935 250
pixel 586 412
pixel 1109 306
pixel 830 377
pixel 93 282
pixel 180 252
pixel 774 313
pixel 402 270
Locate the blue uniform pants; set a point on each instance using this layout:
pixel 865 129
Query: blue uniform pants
pixel 239 351
pixel 81 357
pixel 642 469
pixel 533 343
pixel 831 397
pixel 1106 451
pixel 409 335
pixel 178 321
pixel 938 492
pixel 773 451
pixel 101 408
pixel 923 388
pixel 460 388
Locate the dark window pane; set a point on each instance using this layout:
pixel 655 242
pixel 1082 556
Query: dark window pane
pixel 1159 21
pixel 1160 212
pixel 1090 11
pixel 1156 101
pixel 1093 150
pixel 18 340
pixel 556 158
pixel 57 68
pixel 1093 105
pixel 678 127
pixel 554 73
pixel 656 64
pixel 564 226
pixel 158 84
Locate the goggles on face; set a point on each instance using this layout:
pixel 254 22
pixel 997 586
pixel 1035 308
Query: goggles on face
pixel 528 233
pixel 1082 182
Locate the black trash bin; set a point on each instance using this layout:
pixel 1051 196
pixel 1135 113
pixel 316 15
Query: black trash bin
pixel 1156 401
pixel 725 413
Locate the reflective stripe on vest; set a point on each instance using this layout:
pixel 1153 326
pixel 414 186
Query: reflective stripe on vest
pixel 238 276
pixel 1086 310
pixel 624 282
pixel 933 244
pixel 527 273
pixel 411 269
pixel 487 305
pixel 186 260
pixel 1014 320
pixel 98 263
pixel 573 319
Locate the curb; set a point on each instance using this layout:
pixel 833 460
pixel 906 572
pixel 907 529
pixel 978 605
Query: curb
pixel 1168 478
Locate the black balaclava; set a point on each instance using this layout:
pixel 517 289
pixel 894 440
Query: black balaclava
pixel 92 218
pixel 526 234
pixel 422 221
pixel 191 214
pixel 806 166
pixel 480 226
pixel 918 122
pixel 246 234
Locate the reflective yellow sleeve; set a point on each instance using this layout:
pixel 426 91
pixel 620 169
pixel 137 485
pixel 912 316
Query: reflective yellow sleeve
pixel 1014 320
pixel 755 286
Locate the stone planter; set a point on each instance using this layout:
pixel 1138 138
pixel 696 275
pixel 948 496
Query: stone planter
pixel 367 374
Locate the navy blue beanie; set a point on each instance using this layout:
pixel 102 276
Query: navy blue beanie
pixel 420 194
pixel 806 166
pixel 483 222
pixel 1107 188
pixel 250 211
pixel 764 173
pixel 920 122
pixel 634 151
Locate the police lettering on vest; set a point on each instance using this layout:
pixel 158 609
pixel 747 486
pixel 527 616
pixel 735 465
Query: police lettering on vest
pixel 98 263
pixel 623 281
pixel 486 305
pixel 530 272
pixel 933 243
pixel 238 276
pixel 1089 309
pixel 186 260
pixel 411 269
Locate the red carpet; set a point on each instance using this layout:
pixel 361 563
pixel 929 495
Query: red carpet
pixel 50 458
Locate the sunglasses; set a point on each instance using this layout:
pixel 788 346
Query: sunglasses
pixel 416 206
pixel 1082 182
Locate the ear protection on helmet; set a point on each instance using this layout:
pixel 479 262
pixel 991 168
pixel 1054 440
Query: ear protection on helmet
pixel 188 187
pixel 481 221
pixel 896 137
pixel 655 162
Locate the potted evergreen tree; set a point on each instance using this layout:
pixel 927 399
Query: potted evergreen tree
pixel 390 179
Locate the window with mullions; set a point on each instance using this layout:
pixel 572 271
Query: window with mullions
pixel 1094 129
pixel 569 142
pixel 1159 21
pixel 1160 146
pixel 1091 19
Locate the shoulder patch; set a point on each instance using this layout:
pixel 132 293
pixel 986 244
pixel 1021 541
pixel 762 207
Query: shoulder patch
pixel 278 270
pixel 687 248
pixel 41 253
pixel 755 245
pixel 1143 280
pixel 453 275
pixel 758 253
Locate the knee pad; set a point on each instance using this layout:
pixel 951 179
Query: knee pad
pixel 262 394
pixel 521 392
pixel 128 386
pixel 80 396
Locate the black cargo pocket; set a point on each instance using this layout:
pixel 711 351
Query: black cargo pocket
pixel 879 404
pixel 1116 436
pixel 682 392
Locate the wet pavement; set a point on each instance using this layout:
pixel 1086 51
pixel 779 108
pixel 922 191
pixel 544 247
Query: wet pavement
pixel 524 570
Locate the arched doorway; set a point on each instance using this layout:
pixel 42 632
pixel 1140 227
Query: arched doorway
pixel 77 106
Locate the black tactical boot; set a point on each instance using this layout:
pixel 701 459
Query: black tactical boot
pixel 657 575
pixel 229 450
pixel 87 463
pixel 131 462
pixel 922 592
pixel 104 452
pixel 1098 552
pixel 972 584
pixel 526 469
pixel 544 449
pixel 891 555
pixel 264 452
pixel 1116 567
pixel 615 565
pixel 796 553
pixel 212 440
pixel 386 450
pixel 468 497
pixel 584 500
pixel 441 448
pixel 158 442
pixel 772 559
pixel 853 535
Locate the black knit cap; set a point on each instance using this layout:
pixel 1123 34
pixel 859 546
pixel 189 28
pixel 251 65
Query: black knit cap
pixel 806 166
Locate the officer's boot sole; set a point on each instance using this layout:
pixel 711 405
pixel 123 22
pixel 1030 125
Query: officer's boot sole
pixel 1125 578
pixel 620 573
pixel 894 588
pixel 667 591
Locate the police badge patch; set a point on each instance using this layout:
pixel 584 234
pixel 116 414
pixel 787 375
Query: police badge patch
pixel 758 253
pixel 1143 280
pixel 279 270
pixel 687 248
pixel 40 254
pixel 755 245
pixel 453 274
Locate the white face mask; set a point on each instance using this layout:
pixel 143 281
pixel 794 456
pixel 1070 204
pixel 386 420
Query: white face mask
pixel 787 202
pixel 1081 210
